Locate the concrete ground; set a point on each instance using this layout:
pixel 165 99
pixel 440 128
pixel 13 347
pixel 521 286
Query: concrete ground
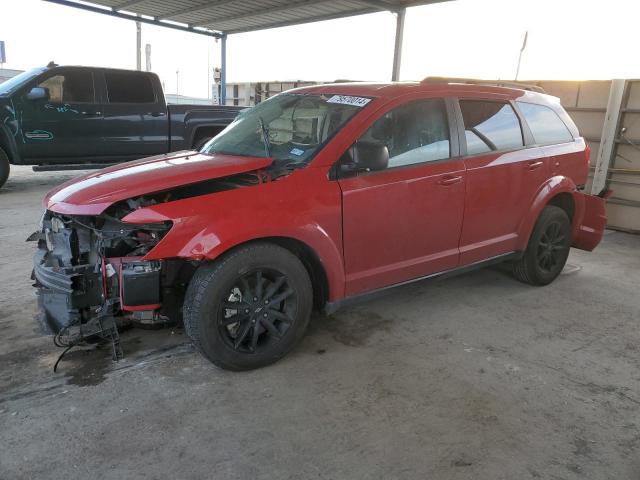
pixel 474 377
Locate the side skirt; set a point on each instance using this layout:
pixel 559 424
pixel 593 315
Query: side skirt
pixel 332 307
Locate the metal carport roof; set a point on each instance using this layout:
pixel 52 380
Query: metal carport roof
pixel 219 18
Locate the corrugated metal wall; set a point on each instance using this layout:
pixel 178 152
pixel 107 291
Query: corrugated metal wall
pixel 586 102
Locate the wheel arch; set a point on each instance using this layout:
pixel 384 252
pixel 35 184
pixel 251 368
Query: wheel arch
pixel 8 145
pixel 559 191
pixel 307 255
pixel 202 131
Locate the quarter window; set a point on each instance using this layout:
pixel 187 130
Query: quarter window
pixel 490 126
pixel 123 87
pixel 414 133
pixel 70 87
pixel 545 124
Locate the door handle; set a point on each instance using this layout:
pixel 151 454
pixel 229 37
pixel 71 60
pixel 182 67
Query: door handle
pixel 91 114
pixel 534 165
pixel 449 180
pixel 156 114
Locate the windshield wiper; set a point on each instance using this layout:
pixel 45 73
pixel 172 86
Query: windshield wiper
pixel 265 137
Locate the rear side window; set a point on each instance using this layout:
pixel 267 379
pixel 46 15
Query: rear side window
pixel 490 126
pixel 123 87
pixel 545 124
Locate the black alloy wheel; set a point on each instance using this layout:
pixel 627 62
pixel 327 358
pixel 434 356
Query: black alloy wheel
pixel 258 311
pixel 547 250
pixel 250 307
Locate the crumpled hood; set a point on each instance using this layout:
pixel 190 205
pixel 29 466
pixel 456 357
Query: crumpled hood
pixel 94 193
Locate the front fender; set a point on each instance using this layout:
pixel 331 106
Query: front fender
pixel 7 139
pixel 207 226
pixel 552 187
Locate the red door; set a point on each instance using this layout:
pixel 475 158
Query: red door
pixel 404 222
pixel 502 179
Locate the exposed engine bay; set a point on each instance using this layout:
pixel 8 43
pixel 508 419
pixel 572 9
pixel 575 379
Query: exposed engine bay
pixel 91 275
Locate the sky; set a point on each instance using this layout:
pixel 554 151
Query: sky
pixel 568 39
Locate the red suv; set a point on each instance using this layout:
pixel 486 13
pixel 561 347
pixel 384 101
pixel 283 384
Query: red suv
pixel 311 199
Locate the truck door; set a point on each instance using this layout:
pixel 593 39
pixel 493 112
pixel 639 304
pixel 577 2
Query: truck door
pixel 404 222
pixel 67 123
pixel 135 114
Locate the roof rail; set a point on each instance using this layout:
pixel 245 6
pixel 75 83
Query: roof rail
pixel 476 81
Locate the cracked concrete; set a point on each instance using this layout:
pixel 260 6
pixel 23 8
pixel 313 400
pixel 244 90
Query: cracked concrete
pixel 474 377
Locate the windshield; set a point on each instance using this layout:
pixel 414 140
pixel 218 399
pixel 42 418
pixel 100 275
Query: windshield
pixel 16 82
pixel 290 128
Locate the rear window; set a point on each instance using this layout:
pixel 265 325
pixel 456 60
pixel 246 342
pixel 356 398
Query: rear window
pixel 490 126
pixel 545 124
pixel 123 87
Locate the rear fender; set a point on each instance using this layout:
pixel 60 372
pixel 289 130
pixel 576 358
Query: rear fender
pixel 552 187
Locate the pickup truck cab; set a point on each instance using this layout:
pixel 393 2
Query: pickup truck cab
pixel 316 197
pixel 65 117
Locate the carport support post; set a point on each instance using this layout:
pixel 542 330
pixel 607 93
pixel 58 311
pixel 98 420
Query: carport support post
pixel 223 69
pixel 609 135
pixel 397 52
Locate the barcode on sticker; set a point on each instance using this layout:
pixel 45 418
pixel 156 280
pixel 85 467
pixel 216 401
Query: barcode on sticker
pixel 349 100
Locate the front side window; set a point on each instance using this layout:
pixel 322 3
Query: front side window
pixel 545 124
pixel 490 126
pixel 290 128
pixel 70 87
pixel 125 87
pixel 416 132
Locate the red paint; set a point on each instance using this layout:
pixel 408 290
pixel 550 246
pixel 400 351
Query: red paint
pixel 368 231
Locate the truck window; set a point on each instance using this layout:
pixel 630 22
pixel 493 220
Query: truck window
pixel 490 126
pixel 416 132
pixel 70 87
pixel 545 124
pixel 124 87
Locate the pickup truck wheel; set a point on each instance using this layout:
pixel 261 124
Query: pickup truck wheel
pixel 198 144
pixel 548 248
pixel 4 167
pixel 250 308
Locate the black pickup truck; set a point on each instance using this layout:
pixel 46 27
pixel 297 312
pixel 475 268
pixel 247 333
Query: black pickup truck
pixel 64 117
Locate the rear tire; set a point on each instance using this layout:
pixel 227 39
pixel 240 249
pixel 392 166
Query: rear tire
pixel 4 167
pixel 249 308
pixel 547 250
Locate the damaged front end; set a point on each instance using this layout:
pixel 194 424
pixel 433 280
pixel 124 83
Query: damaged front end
pixel 92 278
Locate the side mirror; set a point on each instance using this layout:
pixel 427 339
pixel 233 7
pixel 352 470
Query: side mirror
pixel 366 156
pixel 38 93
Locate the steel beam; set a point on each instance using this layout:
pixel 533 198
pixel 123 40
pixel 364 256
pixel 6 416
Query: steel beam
pixel 135 18
pixel 138 45
pixel 223 70
pixel 397 51
pixel 609 135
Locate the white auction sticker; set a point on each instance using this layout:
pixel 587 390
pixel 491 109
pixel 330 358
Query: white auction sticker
pixel 349 100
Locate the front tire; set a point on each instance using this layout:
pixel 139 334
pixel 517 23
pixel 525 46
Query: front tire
pixel 249 308
pixel 4 167
pixel 547 250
